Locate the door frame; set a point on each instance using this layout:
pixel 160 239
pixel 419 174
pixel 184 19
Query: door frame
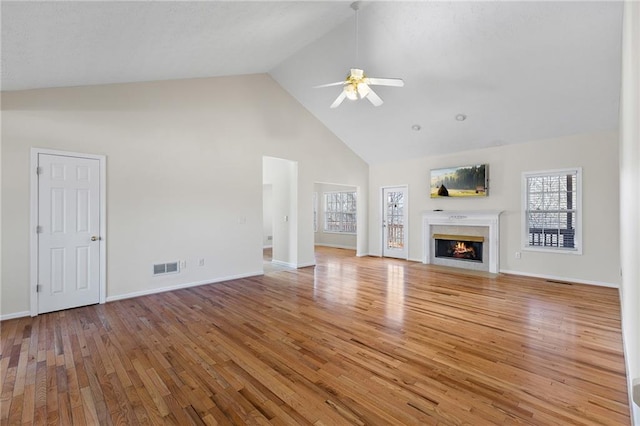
pixel 382 213
pixel 33 222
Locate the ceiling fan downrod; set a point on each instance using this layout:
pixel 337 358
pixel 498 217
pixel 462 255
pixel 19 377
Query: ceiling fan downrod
pixel 356 6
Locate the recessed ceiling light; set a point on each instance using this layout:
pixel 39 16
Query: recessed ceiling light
pixel 461 117
pixel 416 127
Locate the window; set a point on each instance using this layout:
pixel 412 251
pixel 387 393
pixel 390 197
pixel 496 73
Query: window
pixel 552 210
pixel 340 212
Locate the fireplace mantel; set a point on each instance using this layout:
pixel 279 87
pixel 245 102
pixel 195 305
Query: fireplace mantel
pixel 487 218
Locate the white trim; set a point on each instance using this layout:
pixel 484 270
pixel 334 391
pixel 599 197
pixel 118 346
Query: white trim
pixel 33 237
pixel 563 279
pixel 267 247
pixel 282 263
pixel 33 222
pixel 340 233
pixel 577 238
pixel 559 250
pixel 339 246
pixel 14 315
pixel 181 286
pixel 293 265
pixel 489 218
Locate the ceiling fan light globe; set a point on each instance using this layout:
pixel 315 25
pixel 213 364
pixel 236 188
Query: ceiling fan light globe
pixel 351 92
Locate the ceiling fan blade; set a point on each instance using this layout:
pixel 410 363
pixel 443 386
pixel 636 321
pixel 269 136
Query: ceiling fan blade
pixel 397 82
pixel 339 99
pixel 363 90
pixel 338 83
pixel 374 98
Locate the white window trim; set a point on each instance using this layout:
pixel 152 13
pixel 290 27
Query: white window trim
pixel 316 212
pixel 324 213
pixel 578 202
pixel 341 233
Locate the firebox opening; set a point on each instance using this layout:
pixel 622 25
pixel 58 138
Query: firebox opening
pixel 459 247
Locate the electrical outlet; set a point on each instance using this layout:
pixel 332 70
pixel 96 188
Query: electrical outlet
pixel 183 264
pixel 518 255
pixel 201 261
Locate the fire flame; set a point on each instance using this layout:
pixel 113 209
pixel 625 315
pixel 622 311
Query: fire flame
pixel 461 249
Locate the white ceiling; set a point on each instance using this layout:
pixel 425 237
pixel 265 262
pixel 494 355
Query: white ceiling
pixel 520 71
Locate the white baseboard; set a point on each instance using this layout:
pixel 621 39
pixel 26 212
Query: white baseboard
pixel 266 247
pixel 563 279
pixel 180 286
pixel 282 263
pixel 14 315
pixel 293 265
pixel 339 246
pixel 415 260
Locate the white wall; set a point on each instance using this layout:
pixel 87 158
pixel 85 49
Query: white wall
pixel 332 239
pixel 597 154
pixel 267 214
pixel 184 167
pixel 630 188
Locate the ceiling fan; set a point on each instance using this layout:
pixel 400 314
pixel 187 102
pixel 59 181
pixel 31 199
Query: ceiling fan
pixel 357 84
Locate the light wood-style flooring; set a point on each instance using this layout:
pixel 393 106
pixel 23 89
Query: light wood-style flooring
pixel 352 341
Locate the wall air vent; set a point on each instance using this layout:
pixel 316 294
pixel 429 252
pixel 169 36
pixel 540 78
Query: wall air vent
pixel 166 268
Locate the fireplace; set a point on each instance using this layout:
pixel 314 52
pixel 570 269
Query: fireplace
pixel 462 239
pixel 459 247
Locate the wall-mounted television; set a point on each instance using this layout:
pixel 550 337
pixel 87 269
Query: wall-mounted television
pixel 463 181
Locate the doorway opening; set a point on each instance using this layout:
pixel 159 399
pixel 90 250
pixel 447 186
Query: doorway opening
pixel 280 213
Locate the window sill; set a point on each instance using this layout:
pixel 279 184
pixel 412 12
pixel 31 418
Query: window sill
pixel 340 233
pixel 574 251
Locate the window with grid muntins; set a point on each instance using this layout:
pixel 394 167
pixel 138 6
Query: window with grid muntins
pixel 340 212
pixel 552 208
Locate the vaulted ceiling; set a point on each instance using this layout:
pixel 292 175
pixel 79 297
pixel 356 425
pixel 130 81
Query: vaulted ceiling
pixel 518 71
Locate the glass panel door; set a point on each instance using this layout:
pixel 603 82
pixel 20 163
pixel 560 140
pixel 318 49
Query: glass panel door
pixel 394 222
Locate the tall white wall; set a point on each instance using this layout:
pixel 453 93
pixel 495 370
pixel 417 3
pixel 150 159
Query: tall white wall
pixel 184 174
pixel 597 154
pixel 630 193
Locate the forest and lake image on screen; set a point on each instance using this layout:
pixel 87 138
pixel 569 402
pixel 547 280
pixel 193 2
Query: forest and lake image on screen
pixel 465 181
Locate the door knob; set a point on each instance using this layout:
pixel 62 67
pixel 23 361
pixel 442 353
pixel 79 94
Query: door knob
pixel 94 238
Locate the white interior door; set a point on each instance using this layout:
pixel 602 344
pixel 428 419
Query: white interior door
pixel 68 232
pixel 394 222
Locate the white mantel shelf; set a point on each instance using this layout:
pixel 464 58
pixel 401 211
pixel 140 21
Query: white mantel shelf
pixel 489 218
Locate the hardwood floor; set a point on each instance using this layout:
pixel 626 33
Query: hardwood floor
pixel 351 341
